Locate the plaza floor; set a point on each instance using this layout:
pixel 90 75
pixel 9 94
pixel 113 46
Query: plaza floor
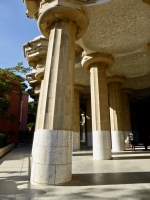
pixel 126 176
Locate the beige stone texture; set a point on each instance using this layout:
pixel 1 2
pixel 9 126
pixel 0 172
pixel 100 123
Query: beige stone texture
pixel 125 109
pixel 114 84
pixel 76 117
pixel 76 113
pixel 99 97
pixel 52 163
pixel 32 8
pixel 35 52
pixel 125 35
pixel 56 109
pixel 99 101
pixel 66 11
pixel 116 115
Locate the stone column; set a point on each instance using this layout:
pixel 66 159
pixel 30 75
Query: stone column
pixel 115 106
pixel 76 117
pixel 52 160
pixel 35 51
pixel 97 63
pixel 126 111
pixel 88 120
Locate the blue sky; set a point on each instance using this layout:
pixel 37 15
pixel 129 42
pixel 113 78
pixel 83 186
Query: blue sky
pixel 15 30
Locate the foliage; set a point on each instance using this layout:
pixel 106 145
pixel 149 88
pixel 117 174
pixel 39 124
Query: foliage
pixel 32 109
pixel 30 125
pixel 3 139
pixel 23 86
pixel 14 72
pixel 7 76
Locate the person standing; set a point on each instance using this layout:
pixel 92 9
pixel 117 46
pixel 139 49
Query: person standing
pixel 131 139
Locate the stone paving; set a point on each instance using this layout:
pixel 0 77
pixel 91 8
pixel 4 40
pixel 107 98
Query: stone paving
pixel 126 176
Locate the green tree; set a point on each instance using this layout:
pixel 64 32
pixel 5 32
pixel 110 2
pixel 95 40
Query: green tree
pixel 23 86
pixel 32 109
pixel 7 76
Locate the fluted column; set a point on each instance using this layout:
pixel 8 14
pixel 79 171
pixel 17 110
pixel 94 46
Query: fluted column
pixel 97 63
pixel 76 117
pixel 87 97
pixel 52 158
pixel 115 106
pixel 126 111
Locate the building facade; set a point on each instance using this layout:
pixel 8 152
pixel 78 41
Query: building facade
pixel 19 108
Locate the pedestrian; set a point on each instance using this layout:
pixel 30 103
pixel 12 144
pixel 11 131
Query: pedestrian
pixel 131 138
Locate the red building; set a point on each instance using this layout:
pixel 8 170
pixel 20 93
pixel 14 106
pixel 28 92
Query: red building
pixel 19 108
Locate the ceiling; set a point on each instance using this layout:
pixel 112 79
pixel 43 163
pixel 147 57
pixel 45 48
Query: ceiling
pixel 122 29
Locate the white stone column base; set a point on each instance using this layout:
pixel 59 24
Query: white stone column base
pixel 76 140
pixel 118 143
pixel 34 142
pixel 101 145
pixel 89 139
pixel 52 160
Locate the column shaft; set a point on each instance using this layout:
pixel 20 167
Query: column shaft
pixel 52 160
pixel 116 120
pixel 37 121
pixel 126 114
pixel 89 121
pixel 100 115
pixel 76 124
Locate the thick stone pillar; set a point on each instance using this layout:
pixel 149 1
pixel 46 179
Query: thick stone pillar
pixel 76 117
pixel 35 51
pixel 87 97
pixel 97 63
pixel 52 159
pixel 115 106
pixel 126 111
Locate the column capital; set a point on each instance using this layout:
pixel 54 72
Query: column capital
pixel 126 90
pixel 78 87
pixel 97 57
pixel 40 74
pixel 35 84
pixel 31 79
pixel 57 11
pixel 35 50
pixel 32 8
pixel 116 78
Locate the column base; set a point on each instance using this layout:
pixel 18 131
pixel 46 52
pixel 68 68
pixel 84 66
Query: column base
pixel 117 138
pixel 35 138
pixel 76 140
pixel 89 139
pixel 101 145
pixel 83 137
pixel 52 160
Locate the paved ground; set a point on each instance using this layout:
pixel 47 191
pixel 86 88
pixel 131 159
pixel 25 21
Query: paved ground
pixel 126 177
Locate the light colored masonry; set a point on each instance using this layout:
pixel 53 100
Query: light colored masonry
pixel 78 50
